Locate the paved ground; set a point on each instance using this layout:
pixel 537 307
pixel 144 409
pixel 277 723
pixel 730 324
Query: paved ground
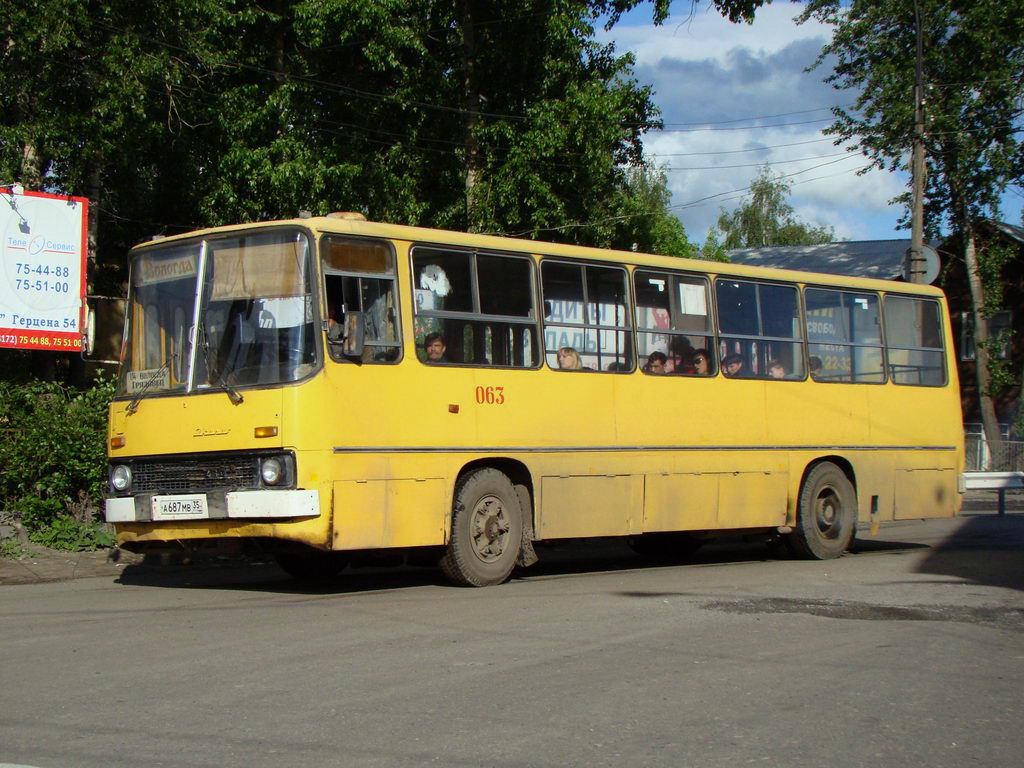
pixel 44 565
pixel 910 651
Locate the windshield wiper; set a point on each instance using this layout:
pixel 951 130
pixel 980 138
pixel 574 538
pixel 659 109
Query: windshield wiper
pixel 133 406
pixel 233 394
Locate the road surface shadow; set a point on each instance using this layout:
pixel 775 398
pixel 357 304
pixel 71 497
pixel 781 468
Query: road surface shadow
pixel 985 549
pixel 562 558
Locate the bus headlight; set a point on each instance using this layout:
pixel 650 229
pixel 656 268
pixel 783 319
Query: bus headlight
pixel 121 478
pixel 272 470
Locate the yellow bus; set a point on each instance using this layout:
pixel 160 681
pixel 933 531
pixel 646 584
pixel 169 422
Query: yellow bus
pixel 325 386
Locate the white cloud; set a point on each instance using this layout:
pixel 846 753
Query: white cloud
pixel 723 88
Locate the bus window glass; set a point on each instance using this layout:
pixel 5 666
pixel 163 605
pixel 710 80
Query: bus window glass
pixel 478 307
pixel 257 323
pixel 154 353
pixel 505 286
pixel 673 320
pixel 443 281
pixel 563 293
pixel 913 335
pixel 606 297
pixel 162 299
pixel 595 340
pixel 737 307
pixel 844 334
pixel 779 311
pixel 359 276
pixel 760 330
pixel 344 254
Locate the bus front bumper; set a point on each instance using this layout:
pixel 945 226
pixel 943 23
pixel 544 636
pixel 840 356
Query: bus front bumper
pixel 252 505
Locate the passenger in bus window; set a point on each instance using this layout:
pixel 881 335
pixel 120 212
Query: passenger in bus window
pixel 655 363
pixel 732 365
pixel 701 363
pixel 435 347
pixel 618 367
pixel 776 370
pixel 680 353
pixel 569 359
pixel 815 365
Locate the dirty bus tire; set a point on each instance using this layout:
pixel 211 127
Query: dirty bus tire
pixel 487 530
pixel 313 565
pixel 826 515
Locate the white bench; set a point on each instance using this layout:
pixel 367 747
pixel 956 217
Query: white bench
pixel 994 481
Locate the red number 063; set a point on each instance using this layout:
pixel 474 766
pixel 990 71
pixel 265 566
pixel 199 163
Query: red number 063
pixel 490 395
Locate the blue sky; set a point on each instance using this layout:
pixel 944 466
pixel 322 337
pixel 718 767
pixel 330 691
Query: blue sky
pixel 734 96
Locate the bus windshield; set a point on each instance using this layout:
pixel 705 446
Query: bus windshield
pixel 220 313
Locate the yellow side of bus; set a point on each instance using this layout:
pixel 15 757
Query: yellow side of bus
pixel 595 454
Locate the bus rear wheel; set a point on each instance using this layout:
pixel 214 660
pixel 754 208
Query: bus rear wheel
pixel 487 530
pixel 826 514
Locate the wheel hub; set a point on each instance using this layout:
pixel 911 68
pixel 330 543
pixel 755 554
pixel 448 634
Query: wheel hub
pixel 490 529
pixel 827 513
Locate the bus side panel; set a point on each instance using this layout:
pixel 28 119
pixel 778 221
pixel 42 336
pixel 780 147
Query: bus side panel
pixel 752 499
pixel 717 489
pixel 601 505
pixel 912 419
pixel 924 491
pixel 370 514
pixel 681 502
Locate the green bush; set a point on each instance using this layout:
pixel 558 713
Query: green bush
pixel 69 534
pixel 12 549
pixel 53 457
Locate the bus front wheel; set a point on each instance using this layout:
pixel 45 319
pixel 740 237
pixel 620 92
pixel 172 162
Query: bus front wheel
pixel 487 530
pixel 826 514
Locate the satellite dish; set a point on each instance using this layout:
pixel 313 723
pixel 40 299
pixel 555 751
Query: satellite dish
pixel 926 268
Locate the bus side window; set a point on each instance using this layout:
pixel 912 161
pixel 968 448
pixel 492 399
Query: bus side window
pixel 760 329
pixel 844 336
pixel 913 337
pixel 673 318
pixel 359 276
pixel 481 304
pixel 586 313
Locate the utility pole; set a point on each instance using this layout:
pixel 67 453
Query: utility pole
pixel 917 166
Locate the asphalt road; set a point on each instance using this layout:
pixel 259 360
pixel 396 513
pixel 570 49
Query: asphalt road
pixel 909 652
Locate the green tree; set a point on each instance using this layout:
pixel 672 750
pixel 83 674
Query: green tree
pixel 646 207
pixel 483 114
pixel 639 217
pixel 973 63
pixel 766 218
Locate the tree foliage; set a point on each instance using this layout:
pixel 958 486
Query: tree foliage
pixel 487 115
pixel 973 63
pixel 765 217
pixel 53 456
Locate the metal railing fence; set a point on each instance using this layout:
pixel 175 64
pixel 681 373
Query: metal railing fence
pixel 982 457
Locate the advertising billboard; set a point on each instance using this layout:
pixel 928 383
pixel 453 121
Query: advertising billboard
pixel 42 260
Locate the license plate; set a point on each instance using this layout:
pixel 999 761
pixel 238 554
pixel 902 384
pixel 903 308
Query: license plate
pixel 190 507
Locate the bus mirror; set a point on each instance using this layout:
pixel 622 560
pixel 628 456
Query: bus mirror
pixel 101 331
pixel 335 332
pixel 355 335
pixel 88 332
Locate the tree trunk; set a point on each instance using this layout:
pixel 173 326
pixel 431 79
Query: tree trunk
pixel 989 419
pixel 31 176
pixel 471 105
pixel 76 363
